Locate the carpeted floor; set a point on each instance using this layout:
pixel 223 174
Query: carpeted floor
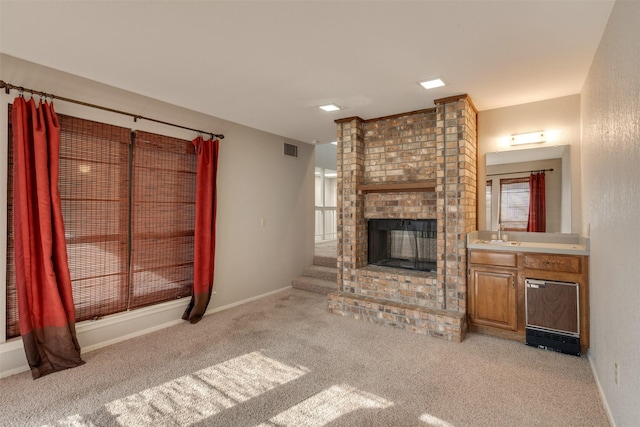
pixel 284 361
pixel 326 248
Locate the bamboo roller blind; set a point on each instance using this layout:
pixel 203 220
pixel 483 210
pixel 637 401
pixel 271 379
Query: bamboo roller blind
pixel 129 211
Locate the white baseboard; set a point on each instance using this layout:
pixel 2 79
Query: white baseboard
pixel 95 334
pixel 602 396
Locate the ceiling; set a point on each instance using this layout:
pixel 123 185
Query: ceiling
pixel 270 64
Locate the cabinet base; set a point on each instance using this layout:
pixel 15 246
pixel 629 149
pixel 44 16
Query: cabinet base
pixel 553 341
pixel 497 332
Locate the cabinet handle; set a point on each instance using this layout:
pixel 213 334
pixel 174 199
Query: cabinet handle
pixel 513 282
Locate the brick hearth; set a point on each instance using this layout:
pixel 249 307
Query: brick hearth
pixel 418 165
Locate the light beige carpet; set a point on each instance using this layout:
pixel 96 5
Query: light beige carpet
pixel 326 248
pixel 284 361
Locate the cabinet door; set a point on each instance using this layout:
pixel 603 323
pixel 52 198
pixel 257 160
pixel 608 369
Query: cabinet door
pixel 493 298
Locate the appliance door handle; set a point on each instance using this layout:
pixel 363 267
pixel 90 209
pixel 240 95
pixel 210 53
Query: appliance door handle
pixel 535 284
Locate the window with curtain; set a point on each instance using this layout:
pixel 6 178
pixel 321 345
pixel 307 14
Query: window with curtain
pixel 128 203
pixel 514 203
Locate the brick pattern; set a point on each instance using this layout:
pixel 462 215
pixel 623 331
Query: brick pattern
pixel 410 287
pixel 456 188
pixel 436 323
pixel 401 149
pixel 411 205
pixel 438 144
pixel 351 225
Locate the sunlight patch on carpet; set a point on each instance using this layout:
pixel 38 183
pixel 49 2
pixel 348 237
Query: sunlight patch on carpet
pixel 204 393
pixel 327 406
pixel 434 421
pixel 199 395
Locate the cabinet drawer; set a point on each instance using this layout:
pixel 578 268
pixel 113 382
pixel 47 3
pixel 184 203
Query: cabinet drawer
pixel 502 259
pixel 550 262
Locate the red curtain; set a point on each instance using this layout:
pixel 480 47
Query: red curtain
pixel 43 283
pixel 205 228
pixel 537 203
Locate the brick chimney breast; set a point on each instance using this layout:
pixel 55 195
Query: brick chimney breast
pixel 416 165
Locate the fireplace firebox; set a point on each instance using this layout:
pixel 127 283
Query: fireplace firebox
pixel 402 243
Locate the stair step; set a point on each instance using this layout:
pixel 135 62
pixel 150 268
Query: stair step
pixel 321 272
pixel 313 284
pixel 325 261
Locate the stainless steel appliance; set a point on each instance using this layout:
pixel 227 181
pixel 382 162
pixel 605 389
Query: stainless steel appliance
pixel 553 315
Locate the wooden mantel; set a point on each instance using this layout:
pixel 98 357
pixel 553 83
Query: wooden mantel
pixel 400 187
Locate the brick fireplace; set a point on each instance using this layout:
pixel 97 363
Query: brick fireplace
pixel 413 166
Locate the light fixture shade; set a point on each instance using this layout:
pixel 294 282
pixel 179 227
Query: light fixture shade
pixel 528 138
pixel 330 107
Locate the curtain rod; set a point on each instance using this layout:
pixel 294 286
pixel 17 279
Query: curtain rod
pixel 8 87
pixel 511 173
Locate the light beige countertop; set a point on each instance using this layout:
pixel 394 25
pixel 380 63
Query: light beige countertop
pixel 553 243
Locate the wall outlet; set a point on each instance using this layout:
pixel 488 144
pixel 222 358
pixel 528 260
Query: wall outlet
pixel 616 373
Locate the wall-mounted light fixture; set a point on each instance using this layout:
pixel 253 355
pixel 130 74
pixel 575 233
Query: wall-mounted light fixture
pixel 528 138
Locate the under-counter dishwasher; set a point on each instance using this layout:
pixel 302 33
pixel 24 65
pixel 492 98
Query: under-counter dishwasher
pixel 553 315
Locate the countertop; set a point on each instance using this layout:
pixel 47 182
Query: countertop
pixel 554 243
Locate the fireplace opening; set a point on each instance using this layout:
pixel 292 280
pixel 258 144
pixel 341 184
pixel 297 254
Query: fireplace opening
pixel 401 243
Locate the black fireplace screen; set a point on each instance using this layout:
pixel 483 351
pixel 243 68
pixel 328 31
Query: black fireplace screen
pixel 399 243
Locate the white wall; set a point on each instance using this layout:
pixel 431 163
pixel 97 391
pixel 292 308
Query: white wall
pixel 255 181
pixel 610 104
pixel 559 115
pixel 327 156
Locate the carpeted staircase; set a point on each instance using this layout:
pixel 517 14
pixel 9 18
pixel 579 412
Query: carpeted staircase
pixel 320 278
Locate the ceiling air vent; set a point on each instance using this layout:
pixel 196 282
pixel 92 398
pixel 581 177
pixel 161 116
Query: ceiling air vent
pixel 290 150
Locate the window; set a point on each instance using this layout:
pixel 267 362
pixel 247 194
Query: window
pixel 128 203
pixel 162 219
pixel 326 202
pixel 488 193
pixel 514 204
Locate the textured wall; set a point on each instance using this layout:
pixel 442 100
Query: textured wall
pixel 611 184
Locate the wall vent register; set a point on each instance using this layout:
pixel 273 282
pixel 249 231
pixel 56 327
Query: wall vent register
pixel 290 150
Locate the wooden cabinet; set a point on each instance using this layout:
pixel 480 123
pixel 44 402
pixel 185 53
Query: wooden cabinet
pixel 496 291
pixel 549 262
pixel 492 289
pixel 493 298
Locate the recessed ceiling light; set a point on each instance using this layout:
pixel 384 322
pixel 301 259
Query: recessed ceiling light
pixel 433 83
pixel 330 107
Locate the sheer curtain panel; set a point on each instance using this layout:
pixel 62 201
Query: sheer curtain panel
pixel 43 282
